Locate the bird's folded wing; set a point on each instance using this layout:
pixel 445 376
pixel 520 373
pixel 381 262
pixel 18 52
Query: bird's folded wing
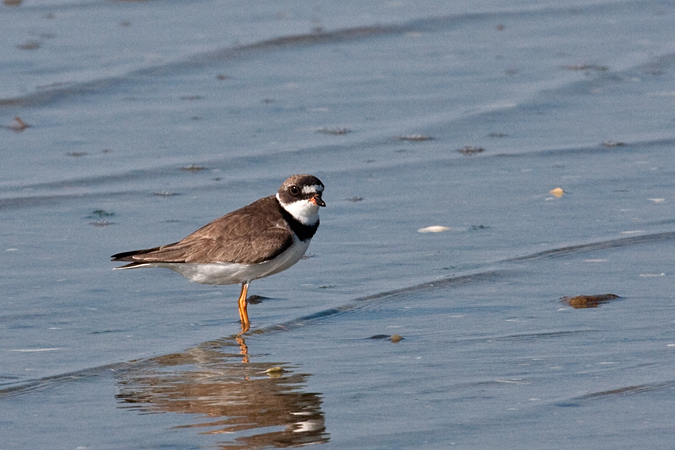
pixel 240 237
pixel 207 249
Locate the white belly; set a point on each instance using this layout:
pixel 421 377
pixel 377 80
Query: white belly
pixel 234 273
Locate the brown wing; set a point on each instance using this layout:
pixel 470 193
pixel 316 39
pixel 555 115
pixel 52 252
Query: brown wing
pixel 243 236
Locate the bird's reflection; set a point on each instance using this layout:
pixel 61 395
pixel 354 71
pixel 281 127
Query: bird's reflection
pixel 257 404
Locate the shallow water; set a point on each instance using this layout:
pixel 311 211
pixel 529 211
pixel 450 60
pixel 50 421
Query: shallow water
pixel 148 120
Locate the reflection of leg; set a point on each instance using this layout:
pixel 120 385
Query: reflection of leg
pixel 244 349
pixel 243 313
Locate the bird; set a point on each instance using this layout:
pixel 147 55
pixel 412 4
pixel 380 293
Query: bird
pixel 256 241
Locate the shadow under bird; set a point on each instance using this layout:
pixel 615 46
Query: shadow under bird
pixel 256 241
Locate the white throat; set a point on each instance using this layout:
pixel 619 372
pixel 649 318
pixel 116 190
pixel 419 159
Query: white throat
pixel 304 211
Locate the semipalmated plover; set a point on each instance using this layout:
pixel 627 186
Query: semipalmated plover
pixel 256 241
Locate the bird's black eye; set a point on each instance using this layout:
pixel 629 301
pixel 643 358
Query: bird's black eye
pixel 294 190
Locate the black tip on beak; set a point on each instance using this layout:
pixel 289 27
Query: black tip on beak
pixel 317 200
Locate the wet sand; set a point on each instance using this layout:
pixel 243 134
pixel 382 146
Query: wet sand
pixel 490 171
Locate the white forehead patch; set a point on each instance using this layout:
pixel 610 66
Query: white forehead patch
pixel 312 189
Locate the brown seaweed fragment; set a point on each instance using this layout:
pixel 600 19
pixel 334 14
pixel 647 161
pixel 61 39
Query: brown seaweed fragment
pixel 394 338
pixel 193 168
pixel 334 131
pixel 414 137
pixel 588 301
pixel 586 67
pixel 17 125
pixel 469 150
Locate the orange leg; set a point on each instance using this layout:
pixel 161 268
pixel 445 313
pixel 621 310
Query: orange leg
pixel 243 313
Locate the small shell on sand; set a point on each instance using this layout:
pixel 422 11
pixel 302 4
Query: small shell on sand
pixel 433 229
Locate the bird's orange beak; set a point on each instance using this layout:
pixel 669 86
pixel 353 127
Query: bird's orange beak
pixel 317 200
